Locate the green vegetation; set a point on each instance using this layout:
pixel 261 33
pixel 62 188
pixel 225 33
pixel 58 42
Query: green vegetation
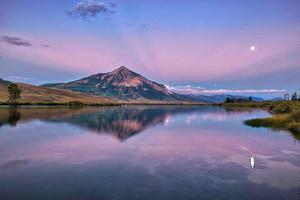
pixel 294 96
pixel 290 122
pixel 286 115
pixel 14 92
pixel 238 100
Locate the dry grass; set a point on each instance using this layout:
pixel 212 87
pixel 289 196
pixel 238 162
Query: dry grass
pixel 36 94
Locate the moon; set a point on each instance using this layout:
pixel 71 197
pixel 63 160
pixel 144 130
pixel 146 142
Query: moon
pixel 252 48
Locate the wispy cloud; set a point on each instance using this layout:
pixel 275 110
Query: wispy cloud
pixel 200 90
pixel 18 41
pixel 150 26
pixel 15 41
pixel 128 24
pixel 45 45
pixel 23 79
pixel 89 9
pixel 144 26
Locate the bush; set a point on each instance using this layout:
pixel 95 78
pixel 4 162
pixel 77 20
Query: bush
pixel 75 104
pixel 294 127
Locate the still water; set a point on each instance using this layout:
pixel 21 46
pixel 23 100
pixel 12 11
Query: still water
pixel 144 152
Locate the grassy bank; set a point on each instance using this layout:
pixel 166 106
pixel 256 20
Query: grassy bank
pixel 286 115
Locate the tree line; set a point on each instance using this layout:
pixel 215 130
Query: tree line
pixel 295 96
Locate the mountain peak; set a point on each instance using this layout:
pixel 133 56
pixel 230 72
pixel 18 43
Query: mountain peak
pixel 122 68
pixel 121 83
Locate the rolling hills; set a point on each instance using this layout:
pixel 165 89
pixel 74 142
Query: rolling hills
pixel 38 94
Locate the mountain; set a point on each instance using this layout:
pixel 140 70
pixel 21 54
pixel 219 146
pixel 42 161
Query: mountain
pixel 121 83
pixel 34 94
pixel 277 99
pixel 217 98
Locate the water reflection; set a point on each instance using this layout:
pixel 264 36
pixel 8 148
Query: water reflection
pixel 122 122
pixel 15 164
pixel 252 161
pixel 173 152
pixel 9 116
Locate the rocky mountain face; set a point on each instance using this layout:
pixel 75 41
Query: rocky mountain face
pixel 121 83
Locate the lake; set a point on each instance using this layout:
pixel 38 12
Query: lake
pixel 144 152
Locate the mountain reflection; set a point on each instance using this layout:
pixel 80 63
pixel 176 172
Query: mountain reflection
pixel 122 122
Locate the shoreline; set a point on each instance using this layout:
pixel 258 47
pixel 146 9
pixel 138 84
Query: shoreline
pixel 285 115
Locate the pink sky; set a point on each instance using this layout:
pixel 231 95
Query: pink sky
pixel 165 55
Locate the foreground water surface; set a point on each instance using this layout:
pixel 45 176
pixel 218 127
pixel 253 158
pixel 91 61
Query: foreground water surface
pixel 144 152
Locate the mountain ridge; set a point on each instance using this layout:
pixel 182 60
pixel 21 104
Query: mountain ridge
pixel 218 98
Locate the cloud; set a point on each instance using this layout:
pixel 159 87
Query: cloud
pixel 113 4
pixel 142 27
pixel 45 45
pixel 146 27
pixel 200 90
pixel 128 24
pixel 23 79
pixel 90 9
pixel 16 41
pixel 247 91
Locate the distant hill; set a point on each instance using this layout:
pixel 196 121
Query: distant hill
pixel 3 89
pixel 4 82
pixel 277 99
pixel 33 94
pixel 121 83
pixel 217 98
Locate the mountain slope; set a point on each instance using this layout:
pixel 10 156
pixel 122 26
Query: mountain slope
pixel 4 84
pixel 3 89
pixel 34 94
pixel 121 83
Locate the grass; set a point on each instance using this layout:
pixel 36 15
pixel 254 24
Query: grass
pixel 286 115
pixel 36 95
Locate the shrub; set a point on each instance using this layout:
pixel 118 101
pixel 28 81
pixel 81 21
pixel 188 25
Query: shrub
pixel 75 104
